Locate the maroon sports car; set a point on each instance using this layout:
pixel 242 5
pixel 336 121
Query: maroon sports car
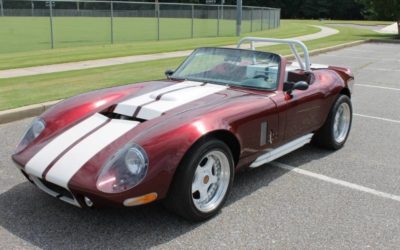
pixel 182 139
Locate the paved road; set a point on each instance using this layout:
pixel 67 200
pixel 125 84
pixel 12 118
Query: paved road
pixel 332 200
pixel 359 26
pixel 37 70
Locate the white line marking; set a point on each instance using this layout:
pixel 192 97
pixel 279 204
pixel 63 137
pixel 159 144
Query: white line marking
pixel 337 181
pixel 377 118
pixel 378 87
pixel 359 57
pixel 385 70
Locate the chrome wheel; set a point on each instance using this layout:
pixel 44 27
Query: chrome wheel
pixel 211 181
pixel 341 125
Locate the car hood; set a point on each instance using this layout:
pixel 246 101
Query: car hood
pixel 102 122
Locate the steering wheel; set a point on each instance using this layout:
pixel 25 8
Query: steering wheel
pixel 261 76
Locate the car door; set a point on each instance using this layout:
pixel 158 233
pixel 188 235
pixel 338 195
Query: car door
pixel 300 112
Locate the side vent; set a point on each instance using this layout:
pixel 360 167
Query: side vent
pixel 263 133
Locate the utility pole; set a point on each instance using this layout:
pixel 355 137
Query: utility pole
pixel 238 17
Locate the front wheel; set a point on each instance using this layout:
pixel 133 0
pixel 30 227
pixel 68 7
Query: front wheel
pixel 336 129
pixel 202 182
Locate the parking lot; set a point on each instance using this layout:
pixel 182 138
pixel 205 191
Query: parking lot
pixel 310 199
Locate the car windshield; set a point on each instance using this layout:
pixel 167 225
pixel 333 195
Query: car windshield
pixel 245 68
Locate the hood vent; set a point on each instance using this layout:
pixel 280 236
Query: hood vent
pixel 109 112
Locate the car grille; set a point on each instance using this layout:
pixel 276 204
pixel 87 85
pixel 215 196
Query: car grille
pixel 53 189
pixel 60 190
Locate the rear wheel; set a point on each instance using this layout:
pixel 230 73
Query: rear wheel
pixel 335 131
pixel 202 182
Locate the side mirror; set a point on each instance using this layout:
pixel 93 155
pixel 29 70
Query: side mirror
pixel 169 73
pixel 290 86
pixel 302 85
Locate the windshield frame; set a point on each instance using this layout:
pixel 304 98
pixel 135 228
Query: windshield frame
pixel 190 57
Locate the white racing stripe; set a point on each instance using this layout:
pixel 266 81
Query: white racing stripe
pixel 39 162
pixel 337 181
pixel 63 159
pixel 66 167
pixel 129 106
pixel 177 98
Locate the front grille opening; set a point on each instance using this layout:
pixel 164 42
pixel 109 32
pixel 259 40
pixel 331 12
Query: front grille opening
pixel 60 190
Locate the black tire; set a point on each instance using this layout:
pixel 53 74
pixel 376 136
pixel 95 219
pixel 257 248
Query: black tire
pixel 179 199
pixel 324 137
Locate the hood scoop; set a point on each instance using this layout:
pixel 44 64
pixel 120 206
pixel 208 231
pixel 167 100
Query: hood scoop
pixel 154 104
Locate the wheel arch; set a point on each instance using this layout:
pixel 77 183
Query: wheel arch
pixel 226 136
pixel 345 91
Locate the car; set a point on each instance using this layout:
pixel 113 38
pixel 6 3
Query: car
pixel 181 140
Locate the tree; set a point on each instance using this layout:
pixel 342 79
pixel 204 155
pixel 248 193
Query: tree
pixel 385 10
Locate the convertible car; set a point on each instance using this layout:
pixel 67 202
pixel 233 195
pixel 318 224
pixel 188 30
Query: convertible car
pixel 181 140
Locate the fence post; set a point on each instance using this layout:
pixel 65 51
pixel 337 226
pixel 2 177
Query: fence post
pixel 192 32
pixel 1 8
pixel 251 19
pixel 112 21
pixel 218 13
pixel 157 8
pixel 238 17
pixel 262 19
pixel 51 24
pixel 269 19
pixel 32 8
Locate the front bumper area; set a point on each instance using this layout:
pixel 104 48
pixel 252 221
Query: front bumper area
pixel 52 189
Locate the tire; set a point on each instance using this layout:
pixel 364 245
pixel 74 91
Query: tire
pixel 326 136
pixel 215 181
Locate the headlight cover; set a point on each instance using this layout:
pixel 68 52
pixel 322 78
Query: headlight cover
pixel 124 170
pixel 36 128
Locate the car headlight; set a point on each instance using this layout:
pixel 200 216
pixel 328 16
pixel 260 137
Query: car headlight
pixel 36 128
pixel 124 170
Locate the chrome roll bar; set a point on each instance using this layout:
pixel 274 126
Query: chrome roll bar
pixel 306 65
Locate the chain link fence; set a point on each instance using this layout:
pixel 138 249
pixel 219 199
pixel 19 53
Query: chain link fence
pixel 27 25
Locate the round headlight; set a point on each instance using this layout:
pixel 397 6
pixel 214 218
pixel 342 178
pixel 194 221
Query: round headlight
pixel 124 170
pixel 37 127
pixel 134 161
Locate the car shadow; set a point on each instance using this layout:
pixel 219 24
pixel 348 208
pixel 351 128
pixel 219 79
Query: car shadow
pixel 48 223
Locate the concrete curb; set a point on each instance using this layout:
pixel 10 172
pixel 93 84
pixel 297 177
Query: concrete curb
pixel 36 109
pixel 25 112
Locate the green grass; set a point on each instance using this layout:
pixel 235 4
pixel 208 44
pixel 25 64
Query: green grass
pixel 35 56
pixel 21 91
pixel 346 35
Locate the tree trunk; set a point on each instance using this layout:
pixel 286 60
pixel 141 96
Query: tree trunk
pixel 398 27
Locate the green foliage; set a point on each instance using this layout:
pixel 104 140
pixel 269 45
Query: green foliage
pixel 382 9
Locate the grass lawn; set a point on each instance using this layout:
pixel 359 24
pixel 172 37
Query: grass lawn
pixel 21 91
pixel 35 56
pixel 346 35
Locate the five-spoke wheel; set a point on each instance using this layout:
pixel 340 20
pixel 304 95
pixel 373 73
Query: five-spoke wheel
pixel 202 181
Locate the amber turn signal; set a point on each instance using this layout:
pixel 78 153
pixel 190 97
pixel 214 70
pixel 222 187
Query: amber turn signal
pixel 147 198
